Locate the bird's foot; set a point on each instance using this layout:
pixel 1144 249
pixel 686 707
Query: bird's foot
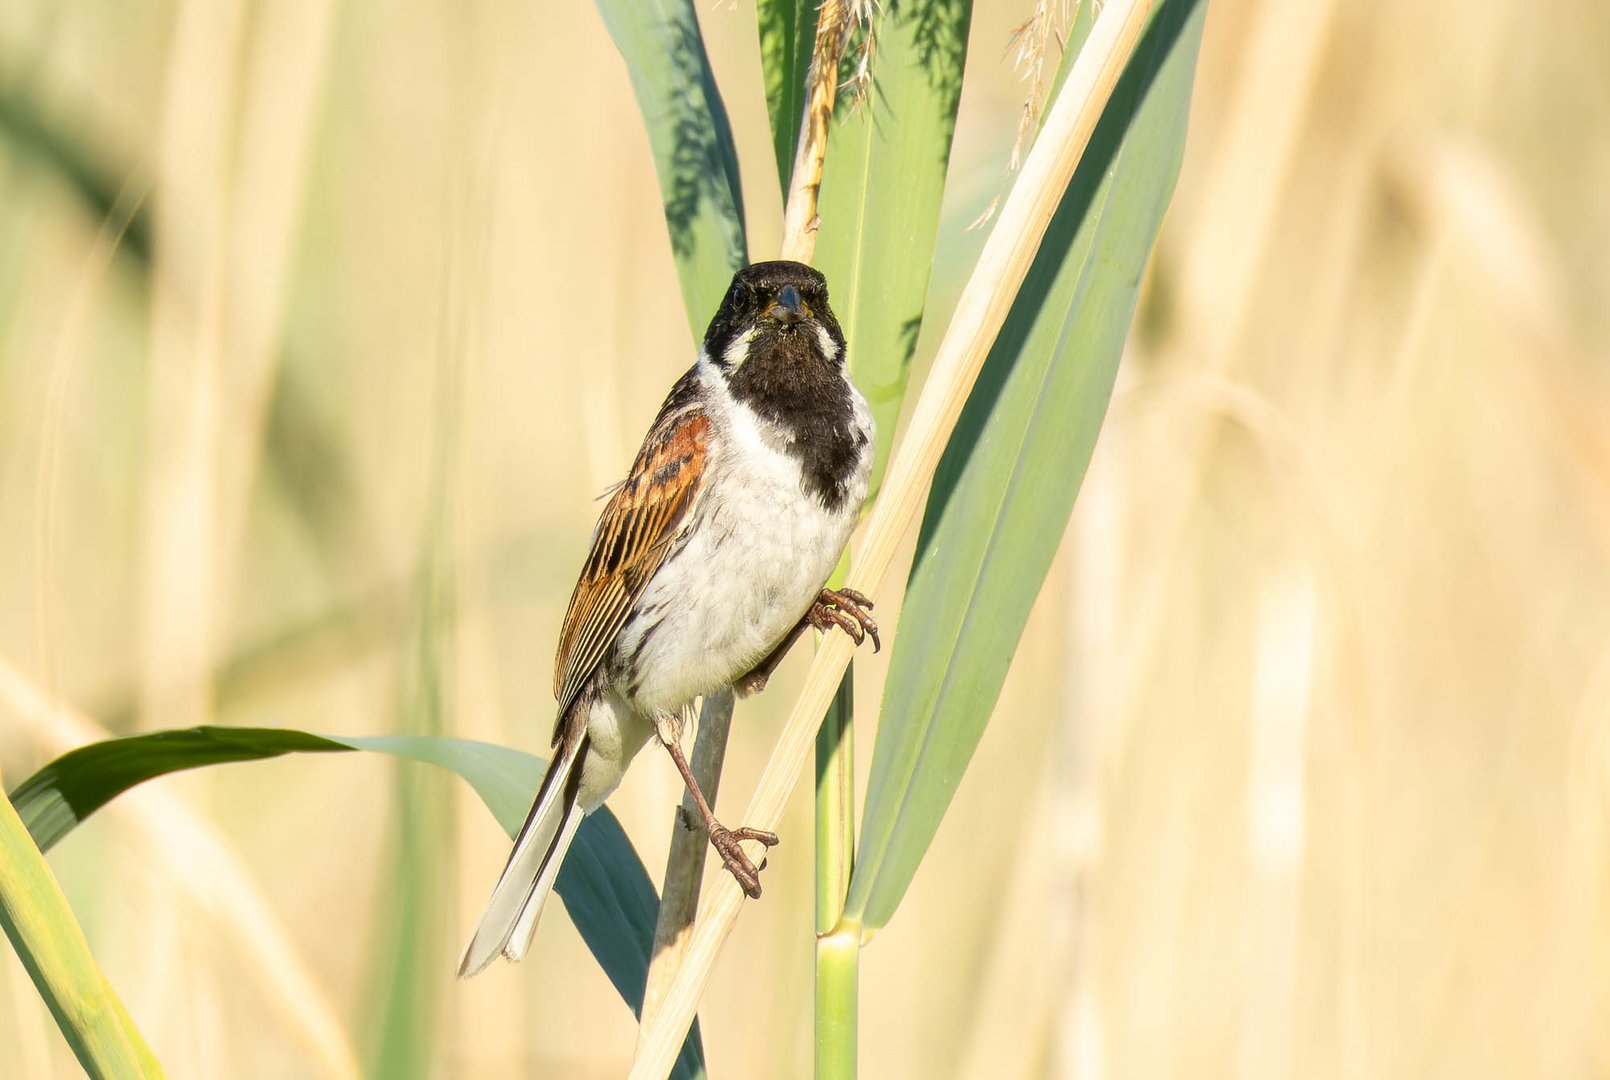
pixel 847 610
pixel 842 608
pixel 728 844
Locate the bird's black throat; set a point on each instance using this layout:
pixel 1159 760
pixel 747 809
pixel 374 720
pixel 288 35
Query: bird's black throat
pixel 785 378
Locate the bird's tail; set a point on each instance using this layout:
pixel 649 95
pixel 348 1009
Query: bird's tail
pixel 511 915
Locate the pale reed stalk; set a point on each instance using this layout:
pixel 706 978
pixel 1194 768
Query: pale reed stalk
pixel 980 312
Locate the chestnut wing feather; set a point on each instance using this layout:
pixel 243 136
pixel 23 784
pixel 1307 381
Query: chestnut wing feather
pixel 635 533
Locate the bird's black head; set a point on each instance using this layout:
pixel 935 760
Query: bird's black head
pixel 777 311
pixel 781 351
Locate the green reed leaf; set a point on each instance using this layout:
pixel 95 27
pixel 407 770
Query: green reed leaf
pixel 1006 484
pixel 787 33
pixel 882 186
pixel 694 155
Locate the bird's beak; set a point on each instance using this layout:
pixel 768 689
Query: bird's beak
pixel 789 308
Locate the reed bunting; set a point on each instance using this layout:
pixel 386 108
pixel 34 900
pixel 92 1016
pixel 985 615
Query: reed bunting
pixel 707 564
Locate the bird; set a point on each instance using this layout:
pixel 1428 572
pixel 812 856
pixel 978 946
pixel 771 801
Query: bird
pixel 707 564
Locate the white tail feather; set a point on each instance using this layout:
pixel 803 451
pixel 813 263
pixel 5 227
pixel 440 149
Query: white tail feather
pixel 511 914
pixel 514 949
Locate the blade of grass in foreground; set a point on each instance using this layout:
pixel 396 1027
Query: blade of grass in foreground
pixel 694 155
pixel 41 926
pixel 1007 481
pixel 603 884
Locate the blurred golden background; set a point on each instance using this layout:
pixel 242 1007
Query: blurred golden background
pixel 1300 771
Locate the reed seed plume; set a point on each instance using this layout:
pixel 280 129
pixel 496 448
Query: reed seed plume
pixel 1030 47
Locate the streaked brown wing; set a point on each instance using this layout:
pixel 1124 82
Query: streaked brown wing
pixel 634 535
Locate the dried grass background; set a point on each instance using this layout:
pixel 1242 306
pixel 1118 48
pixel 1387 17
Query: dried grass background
pixel 1301 770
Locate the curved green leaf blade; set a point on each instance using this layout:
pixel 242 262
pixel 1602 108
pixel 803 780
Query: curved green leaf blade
pixel 69 789
pixel 694 155
pixel 603 884
pixel 40 924
pixel 882 185
pixel 787 32
pixel 1004 489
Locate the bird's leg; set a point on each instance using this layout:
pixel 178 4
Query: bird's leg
pixel 727 842
pixel 755 681
pixel 843 608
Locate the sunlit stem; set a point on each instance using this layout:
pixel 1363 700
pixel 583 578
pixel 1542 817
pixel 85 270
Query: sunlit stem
pixel 837 953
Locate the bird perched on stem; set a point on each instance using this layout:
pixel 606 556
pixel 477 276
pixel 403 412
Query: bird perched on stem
pixel 707 564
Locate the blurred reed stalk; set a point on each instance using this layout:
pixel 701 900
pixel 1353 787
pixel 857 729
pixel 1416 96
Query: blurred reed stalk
pixel 53 421
pixel 242 91
pixel 181 572
pixel 243 94
pixel 980 313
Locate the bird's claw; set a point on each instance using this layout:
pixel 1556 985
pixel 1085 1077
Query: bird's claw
pixel 846 609
pixel 728 844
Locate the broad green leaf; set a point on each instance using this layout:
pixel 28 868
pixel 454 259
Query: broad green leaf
pixel 1006 484
pixel 694 154
pixel 882 186
pixel 787 34
pixel 603 884
pixel 40 924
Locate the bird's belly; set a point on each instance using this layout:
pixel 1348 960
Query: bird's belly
pixel 745 576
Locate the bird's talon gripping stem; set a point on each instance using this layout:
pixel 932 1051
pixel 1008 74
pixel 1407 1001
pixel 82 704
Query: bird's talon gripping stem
pixel 843 608
pixel 846 609
pixel 727 843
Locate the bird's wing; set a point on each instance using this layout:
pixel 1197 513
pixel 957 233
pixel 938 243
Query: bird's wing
pixel 635 533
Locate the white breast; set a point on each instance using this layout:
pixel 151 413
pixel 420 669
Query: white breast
pixel 756 552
